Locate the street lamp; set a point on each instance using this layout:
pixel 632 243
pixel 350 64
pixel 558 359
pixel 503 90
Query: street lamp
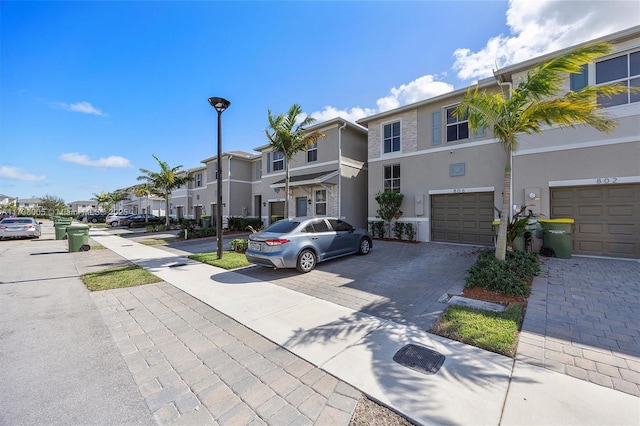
pixel 220 104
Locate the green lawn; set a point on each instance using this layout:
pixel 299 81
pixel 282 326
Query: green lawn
pixel 118 277
pixel 157 241
pixel 230 259
pixel 493 331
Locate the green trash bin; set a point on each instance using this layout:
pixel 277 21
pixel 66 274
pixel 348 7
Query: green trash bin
pixel 61 228
pixel 558 236
pixel 78 236
pixel 205 221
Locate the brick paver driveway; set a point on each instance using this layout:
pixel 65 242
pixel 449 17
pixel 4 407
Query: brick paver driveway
pixel 397 281
pixel 583 319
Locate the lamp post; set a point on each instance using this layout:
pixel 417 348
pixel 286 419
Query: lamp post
pixel 220 104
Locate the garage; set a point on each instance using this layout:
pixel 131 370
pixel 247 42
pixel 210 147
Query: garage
pixel 607 218
pixel 462 218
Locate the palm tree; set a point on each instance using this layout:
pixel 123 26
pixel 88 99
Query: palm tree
pixel 289 138
pixel 536 102
pixel 103 200
pixel 142 190
pixel 163 182
pixel 116 196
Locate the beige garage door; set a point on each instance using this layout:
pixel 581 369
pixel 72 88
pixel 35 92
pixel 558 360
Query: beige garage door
pixel 607 218
pixel 462 218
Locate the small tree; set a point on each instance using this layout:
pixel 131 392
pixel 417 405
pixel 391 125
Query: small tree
pixel 117 196
pixel 390 202
pixel 52 203
pixel 103 199
pixel 163 182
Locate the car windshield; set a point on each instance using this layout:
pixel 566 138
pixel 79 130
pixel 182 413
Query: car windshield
pixel 282 227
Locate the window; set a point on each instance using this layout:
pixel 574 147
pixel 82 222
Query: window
pixel 339 225
pixel 278 161
pixel 312 152
pixel 321 202
pixel 258 170
pixel 457 126
pixel 392 178
pixel 391 140
pixel 198 180
pixel 213 172
pixel 625 70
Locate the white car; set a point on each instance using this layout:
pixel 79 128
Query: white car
pixel 113 219
pixel 19 227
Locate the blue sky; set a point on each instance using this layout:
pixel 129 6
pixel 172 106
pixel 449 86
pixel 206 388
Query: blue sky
pixel 90 90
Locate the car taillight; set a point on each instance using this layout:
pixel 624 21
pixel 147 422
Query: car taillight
pixel 277 242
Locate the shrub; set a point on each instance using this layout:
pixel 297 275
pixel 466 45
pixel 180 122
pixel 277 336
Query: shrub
pixel 398 229
pixel 408 229
pixel 509 277
pixel 197 233
pixel 377 228
pixel 243 223
pixel 239 244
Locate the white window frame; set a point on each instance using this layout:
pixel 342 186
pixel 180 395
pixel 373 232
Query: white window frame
pixel 458 122
pixel 321 202
pixel 198 180
pixel 606 102
pixel 392 137
pixel 279 161
pixel 312 151
pixel 391 180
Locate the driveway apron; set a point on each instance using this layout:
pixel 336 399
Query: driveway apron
pixel 401 282
pixel 583 320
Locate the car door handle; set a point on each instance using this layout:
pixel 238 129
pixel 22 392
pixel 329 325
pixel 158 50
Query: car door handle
pixel 314 237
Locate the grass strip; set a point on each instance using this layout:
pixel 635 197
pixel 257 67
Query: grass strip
pixel 492 331
pixel 230 259
pixel 157 241
pixel 118 277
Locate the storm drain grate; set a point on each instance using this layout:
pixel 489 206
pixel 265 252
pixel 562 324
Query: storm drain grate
pixel 419 358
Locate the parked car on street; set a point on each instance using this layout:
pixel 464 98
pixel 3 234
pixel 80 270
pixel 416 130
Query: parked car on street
pixel 132 220
pixel 95 217
pixel 303 242
pixel 113 219
pixel 19 227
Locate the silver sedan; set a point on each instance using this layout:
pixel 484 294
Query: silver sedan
pixel 19 227
pixel 302 242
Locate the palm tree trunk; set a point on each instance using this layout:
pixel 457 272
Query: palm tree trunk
pixel 166 209
pixel 286 192
pixel 501 243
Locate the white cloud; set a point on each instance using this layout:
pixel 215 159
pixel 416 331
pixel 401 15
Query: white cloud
pixel 419 89
pixel 15 173
pixel 82 107
pixel 351 114
pixel 543 26
pixel 112 161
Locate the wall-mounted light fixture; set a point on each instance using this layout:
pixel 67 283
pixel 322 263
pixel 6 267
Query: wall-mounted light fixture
pixel 264 204
pixel 309 201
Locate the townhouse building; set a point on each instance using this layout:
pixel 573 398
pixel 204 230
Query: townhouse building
pixel 82 207
pixel 200 196
pixel 327 179
pixel 452 177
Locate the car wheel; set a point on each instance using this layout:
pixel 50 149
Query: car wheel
pixel 306 261
pixel 114 223
pixel 94 220
pixel 365 246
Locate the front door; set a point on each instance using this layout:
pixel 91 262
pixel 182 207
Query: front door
pixel 301 206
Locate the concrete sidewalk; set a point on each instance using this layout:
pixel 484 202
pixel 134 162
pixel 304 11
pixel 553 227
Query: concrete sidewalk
pixel 472 387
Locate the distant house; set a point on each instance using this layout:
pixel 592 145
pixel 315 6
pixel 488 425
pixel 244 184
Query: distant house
pixel 82 207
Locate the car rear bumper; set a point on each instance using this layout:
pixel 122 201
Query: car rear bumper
pixel 274 260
